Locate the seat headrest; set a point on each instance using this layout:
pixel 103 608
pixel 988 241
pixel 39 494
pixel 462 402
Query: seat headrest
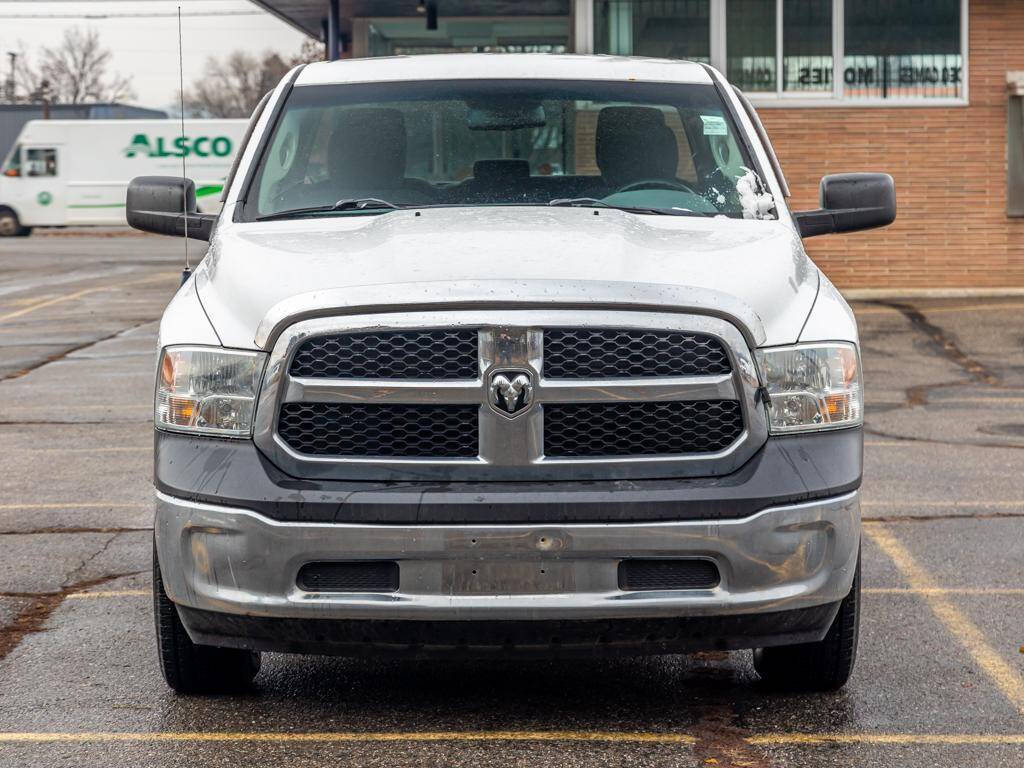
pixel 634 143
pixel 501 170
pixel 367 149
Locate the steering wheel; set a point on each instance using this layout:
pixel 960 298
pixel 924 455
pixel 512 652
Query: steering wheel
pixel 655 184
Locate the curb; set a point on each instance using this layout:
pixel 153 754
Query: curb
pixel 868 294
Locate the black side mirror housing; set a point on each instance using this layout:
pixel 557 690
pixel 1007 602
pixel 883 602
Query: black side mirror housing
pixel 850 202
pixel 166 205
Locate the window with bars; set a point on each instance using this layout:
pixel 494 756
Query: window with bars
pixel 860 51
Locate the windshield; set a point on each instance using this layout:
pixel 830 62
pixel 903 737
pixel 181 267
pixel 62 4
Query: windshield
pixel 647 147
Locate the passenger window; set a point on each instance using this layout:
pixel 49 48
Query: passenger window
pixel 41 162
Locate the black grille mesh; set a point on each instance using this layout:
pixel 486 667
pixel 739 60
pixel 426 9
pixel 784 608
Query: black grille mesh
pixel 597 353
pixel 376 576
pixel 639 429
pixel 405 431
pixel 430 354
pixel 645 575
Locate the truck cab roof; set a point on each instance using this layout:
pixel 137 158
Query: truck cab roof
pixel 512 66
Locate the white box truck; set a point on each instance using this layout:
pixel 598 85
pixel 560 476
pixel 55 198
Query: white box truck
pixel 76 172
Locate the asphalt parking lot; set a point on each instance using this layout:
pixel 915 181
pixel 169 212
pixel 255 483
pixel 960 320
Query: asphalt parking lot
pixel 939 680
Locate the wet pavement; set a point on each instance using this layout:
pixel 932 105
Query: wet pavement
pixel 939 679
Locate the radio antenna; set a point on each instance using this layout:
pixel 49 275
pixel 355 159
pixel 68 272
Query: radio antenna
pixel 184 176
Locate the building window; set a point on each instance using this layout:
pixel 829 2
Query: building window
pixel 673 29
pixel 790 52
pixel 750 44
pixel 902 49
pixel 807 46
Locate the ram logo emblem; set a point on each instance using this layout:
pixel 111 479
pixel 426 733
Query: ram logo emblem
pixel 510 392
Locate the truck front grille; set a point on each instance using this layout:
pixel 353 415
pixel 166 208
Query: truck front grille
pixel 404 431
pixel 600 353
pixel 418 354
pixel 640 429
pixel 510 395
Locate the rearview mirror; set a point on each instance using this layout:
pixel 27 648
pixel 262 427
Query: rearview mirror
pixel 505 117
pixel 850 202
pixel 166 205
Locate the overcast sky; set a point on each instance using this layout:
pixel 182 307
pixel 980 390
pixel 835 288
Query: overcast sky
pixel 147 48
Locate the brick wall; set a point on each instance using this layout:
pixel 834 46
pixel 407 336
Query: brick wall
pixel 949 164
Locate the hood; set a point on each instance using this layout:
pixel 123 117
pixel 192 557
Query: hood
pixel 257 278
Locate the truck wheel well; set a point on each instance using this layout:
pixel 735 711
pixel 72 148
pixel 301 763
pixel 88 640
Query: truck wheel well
pixel 19 230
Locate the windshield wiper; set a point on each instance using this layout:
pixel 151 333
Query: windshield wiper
pixel 591 202
pixel 348 204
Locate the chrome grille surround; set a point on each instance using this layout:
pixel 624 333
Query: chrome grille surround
pixel 510 449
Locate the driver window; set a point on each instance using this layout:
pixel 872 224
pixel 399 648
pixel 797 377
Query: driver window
pixel 41 162
pixel 12 167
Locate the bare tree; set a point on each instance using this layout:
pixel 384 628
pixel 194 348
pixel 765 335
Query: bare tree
pixel 75 71
pixel 233 86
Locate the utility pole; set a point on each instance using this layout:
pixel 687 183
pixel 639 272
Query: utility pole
pixel 44 93
pixel 13 56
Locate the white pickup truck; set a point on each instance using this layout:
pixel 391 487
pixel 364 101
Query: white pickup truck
pixel 515 354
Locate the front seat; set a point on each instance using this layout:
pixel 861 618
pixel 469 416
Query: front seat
pixel 634 144
pixel 366 157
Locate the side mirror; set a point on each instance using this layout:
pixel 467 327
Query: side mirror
pixel 850 202
pixel 160 203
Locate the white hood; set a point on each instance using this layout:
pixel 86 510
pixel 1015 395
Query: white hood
pixel 257 277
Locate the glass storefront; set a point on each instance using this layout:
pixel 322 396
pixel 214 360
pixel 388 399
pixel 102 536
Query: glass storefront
pixel 902 48
pixel 908 50
pixel 807 46
pixel 672 29
pixel 891 50
pixel 750 44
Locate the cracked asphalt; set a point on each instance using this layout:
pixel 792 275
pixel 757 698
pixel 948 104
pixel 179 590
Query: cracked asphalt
pixel 939 680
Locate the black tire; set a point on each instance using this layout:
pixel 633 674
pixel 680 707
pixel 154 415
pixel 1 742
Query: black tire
pixel 10 226
pixel 191 668
pixel 822 666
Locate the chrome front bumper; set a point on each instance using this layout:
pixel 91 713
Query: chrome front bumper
pixel 229 560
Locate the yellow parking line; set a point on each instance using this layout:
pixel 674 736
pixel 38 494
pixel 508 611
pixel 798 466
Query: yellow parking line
pixel 340 736
pixel 945 739
pixel 950 739
pixel 1007 679
pixel 84 292
pixel 112 593
pixel 49 302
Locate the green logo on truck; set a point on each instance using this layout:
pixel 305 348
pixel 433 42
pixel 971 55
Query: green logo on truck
pixel 182 146
pixel 44 198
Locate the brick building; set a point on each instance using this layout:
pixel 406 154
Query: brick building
pixel 917 88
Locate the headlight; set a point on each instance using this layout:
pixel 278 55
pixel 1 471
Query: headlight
pixel 207 390
pixel 812 386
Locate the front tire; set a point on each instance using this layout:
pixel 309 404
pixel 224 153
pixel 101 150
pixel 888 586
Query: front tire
pixel 822 666
pixel 191 668
pixel 10 225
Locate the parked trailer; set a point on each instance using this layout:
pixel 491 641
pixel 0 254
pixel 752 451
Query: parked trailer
pixel 76 172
